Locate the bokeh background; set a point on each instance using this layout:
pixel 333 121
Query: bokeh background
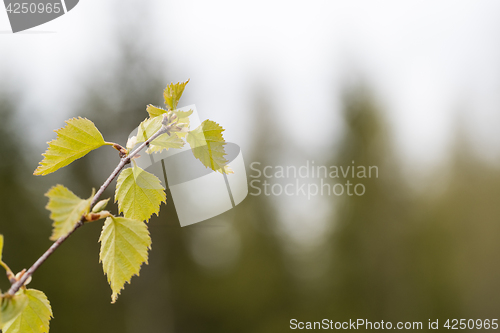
pixel 409 86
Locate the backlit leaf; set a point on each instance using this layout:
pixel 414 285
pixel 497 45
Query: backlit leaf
pixel 165 141
pixel 183 116
pixel 207 144
pixel 147 128
pixel 66 209
pixel 11 306
pixel 139 194
pixel 155 111
pixel 35 316
pixel 124 247
pixel 151 125
pixel 173 93
pixel 75 140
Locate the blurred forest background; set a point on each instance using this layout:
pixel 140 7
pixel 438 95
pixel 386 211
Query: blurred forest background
pixel 395 254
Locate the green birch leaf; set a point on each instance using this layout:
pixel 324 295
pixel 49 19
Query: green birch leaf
pixel 207 144
pixel 147 128
pixel 173 93
pixel 35 316
pixel 11 306
pixel 155 111
pixel 165 141
pixel 151 125
pixel 75 140
pixel 183 116
pixel 66 209
pixel 124 247
pixel 139 194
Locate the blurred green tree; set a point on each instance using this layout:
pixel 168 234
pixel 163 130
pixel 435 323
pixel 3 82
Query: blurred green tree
pixel 373 273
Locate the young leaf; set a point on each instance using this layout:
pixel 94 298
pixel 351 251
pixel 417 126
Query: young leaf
pixel 151 125
pixel 35 316
pixel 165 141
pixel 183 117
pixel 173 93
pixel 101 205
pixel 139 194
pixel 147 128
pixel 12 306
pixel 131 142
pixel 155 111
pixel 207 144
pixel 124 247
pixel 66 209
pixel 75 140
